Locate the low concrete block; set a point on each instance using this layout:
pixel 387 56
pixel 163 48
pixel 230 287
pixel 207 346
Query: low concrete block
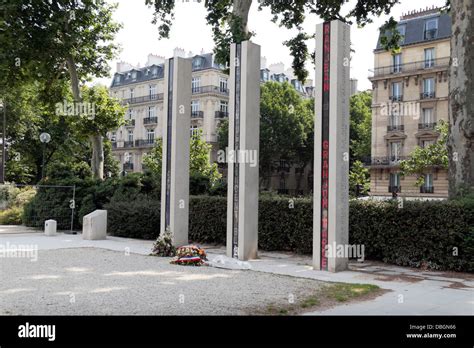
pixel 94 225
pixel 50 227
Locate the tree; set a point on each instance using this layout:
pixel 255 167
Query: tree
pixel 423 158
pixel 286 128
pixel 360 126
pixel 107 115
pixel 58 40
pixel 359 180
pixel 461 102
pixel 229 18
pixel 199 160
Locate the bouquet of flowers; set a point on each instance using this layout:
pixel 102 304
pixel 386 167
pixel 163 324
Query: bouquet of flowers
pixel 163 245
pixel 190 255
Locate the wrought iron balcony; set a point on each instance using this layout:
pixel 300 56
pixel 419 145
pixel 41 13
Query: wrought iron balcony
pixel 428 95
pixel 412 67
pixel 427 126
pixel 130 123
pixel 396 128
pixel 197 114
pixel 150 120
pixel 144 142
pixel 128 166
pixel 128 143
pixel 221 114
pixel 396 98
pixel 383 160
pixel 210 89
pixel 143 99
pixel 396 189
pixel 426 189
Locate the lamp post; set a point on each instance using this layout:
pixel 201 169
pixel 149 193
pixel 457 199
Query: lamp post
pixel 44 138
pixel 3 106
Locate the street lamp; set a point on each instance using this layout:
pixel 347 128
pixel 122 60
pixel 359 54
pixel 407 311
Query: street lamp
pixel 44 138
pixel 3 105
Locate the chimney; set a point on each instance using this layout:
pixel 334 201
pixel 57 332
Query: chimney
pixel 155 59
pixel 124 66
pixel 263 62
pixel 179 52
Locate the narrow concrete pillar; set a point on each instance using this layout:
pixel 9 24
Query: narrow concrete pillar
pixel 331 146
pixel 50 227
pixel 175 159
pixel 242 152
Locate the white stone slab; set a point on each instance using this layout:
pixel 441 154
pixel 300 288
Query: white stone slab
pixel 94 225
pixel 50 227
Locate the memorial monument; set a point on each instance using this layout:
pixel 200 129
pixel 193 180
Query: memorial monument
pixel 175 159
pixel 331 145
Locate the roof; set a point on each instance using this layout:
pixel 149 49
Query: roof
pixel 200 62
pixel 414 29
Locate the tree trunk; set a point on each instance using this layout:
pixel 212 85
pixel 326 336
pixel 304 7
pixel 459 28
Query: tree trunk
pixel 461 98
pixel 71 67
pixel 97 162
pixel 241 9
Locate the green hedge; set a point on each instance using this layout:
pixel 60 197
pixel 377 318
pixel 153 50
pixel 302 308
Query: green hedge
pixel 421 234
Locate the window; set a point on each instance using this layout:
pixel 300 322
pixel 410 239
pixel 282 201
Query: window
pixel 151 111
pixel 397 63
pixel 198 63
pixel 194 106
pixel 131 93
pixel 394 182
pixel 427 186
pixel 223 84
pixel 150 136
pixel 128 157
pixel 134 75
pixel 155 71
pixel 113 137
pixel 431 28
pixel 429 57
pixel 195 84
pixel 117 78
pixel 223 106
pixel 429 88
pixel 152 91
pixel 397 91
pixel 395 120
pixel 427 116
pixel 395 150
pixel 194 130
pixel 130 135
pixel 425 143
pixel 401 31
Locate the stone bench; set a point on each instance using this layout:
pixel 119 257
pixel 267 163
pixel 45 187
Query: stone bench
pixel 94 225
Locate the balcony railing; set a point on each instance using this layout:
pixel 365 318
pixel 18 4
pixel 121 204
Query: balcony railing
pixel 128 143
pixel 143 99
pixel 383 160
pixel 396 189
pixel 426 189
pixel 210 89
pixel 221 114
pixel 144 142
pixel 197 114
pixel 427 126
pixel 128 166
pixel 410 67
pixel 396 98
pixel 427 95
pixel 150 120
pixel 396 128
pixel 130 123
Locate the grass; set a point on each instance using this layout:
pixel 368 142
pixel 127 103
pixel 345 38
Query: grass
pixel 326 296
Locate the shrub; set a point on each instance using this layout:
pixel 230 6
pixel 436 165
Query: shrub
pixel 11 216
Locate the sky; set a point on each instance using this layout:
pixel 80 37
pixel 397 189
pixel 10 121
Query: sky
pixel 139 36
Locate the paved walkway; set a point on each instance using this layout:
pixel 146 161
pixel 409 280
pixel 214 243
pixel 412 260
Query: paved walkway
pixel 413 291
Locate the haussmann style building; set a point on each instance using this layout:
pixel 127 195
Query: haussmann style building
pixel 410 96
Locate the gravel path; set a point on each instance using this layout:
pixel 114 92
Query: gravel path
pixel 90 281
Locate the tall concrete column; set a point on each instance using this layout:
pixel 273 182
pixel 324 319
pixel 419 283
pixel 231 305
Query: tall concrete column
pixel 175 159
pixel 244 132
pixel 331 146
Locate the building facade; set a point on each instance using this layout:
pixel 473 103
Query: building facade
pixel 410 96
pixel 141 89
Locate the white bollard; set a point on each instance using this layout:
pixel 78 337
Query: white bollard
pixel 50 227
pixel 94 225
